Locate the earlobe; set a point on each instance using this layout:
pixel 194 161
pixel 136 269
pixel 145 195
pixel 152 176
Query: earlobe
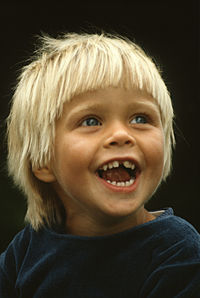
pixel 44 174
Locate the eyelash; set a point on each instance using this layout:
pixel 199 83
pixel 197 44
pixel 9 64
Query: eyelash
pixel 85 122
pixel 144 116
pixel 89 118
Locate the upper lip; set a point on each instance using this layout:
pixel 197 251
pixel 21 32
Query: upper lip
pixel 120 159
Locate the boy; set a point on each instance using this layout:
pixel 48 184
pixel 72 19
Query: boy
pixel 90 139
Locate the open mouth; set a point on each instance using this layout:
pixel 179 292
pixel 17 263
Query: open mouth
pixel 119 173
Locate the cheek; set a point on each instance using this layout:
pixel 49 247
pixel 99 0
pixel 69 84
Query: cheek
pixel 155 151
pixel 72 155
pixel 80 152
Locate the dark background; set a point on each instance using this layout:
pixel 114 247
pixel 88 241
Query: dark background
pixel 167 30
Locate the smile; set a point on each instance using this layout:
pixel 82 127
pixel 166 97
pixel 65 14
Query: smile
pixel 118 173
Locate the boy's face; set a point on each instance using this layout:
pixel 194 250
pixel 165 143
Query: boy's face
pixel 109 154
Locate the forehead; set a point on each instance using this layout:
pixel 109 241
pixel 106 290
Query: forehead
pixel 110 96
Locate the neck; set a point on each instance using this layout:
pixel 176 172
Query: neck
pixel 82 226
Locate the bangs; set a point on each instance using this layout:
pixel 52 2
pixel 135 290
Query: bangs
pixel 98 63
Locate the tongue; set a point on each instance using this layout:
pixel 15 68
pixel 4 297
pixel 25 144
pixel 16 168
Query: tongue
pixel 118 175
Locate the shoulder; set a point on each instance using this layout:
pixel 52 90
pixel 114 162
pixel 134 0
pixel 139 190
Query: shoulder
pixel 175 266
pixel 176 237
pixel 16 250
pixel 21 250
pixel 13 257
pixel 10 261
pixel 173 228
pixel 170 237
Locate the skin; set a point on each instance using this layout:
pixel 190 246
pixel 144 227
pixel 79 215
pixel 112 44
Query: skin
pixel 97 127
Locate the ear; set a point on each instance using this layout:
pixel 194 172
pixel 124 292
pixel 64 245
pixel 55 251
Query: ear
pixel 44 174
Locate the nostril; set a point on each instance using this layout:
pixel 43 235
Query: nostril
pixel 128 142
pixel 120 138
pixel 113 143
pixel 120 142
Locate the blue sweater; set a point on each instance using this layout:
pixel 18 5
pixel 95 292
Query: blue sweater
pixel 160 259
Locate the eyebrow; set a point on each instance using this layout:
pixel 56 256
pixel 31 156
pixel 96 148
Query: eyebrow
pixel 93 107
pixel 145 103
pixel 97 106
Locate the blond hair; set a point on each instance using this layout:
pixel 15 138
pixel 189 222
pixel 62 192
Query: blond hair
pixel 63 68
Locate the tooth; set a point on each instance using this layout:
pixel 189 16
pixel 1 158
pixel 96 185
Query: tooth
pixel 127 164
pixel 132 167
pixel 127 183
pixel 110 165
pixel 115 164
pixel 105 167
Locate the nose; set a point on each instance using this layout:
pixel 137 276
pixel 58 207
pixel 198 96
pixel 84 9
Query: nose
pixel 119 136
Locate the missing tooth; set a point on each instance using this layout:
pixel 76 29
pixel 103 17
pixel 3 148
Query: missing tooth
pixel 120 174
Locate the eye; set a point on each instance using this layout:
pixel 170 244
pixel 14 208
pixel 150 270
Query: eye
pixel 91 122
pixel 139 119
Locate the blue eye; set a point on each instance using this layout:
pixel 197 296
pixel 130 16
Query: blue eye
pixel 91 122
pixel 139 120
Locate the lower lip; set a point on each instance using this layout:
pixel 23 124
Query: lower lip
pixel 124 189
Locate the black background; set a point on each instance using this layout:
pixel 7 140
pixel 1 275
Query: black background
pixel 167 30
